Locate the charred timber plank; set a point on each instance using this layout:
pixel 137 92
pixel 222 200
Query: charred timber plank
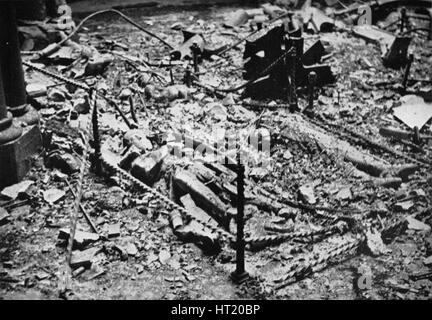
pixel 147 168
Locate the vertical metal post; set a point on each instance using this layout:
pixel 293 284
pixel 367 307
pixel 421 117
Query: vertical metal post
pixel 96 137
pixel 195 51
pixel 240 275
pixel 287 65
pixel 407 72
pixel 403 20
pixel 188 77
pixel 287 76
pixel 293 81
pixel 416 136
pixel 312 78
pixel 171 72
pixel 295 70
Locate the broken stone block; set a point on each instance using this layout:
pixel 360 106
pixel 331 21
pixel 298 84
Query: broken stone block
pixel 138 138
pixel 195 211
pixel 203 173
pixel 287 155
pixel 237 18
pixel 176 219
pixel 255 12
pixel 81 239
pixel 131 249
pixel 53 195
pixel 186 182
pixel 113 230
pixel 428 261
pixel 272 10
pixel 78 272
pixel 65 162
pixel 121 250
pixel 14 190
pixel 42 275
pixel 164 256
pixel 126 162
pixel 171 93
pixel 404 205
pixel 375 243
pixel 111 199
pixel 217 111
pixel 388 182
pixel 417 225
pixel 81 105
pixel 307 194
pixel 97 65
pixel 36 90
pixel 344 194
pixel 125 94
pixel 228 100
pixel 147 168
pixel 84 258
pixel 194 232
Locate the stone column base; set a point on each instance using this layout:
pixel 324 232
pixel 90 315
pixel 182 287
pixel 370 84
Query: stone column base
pixel 15 156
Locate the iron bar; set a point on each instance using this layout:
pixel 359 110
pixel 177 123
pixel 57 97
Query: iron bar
pixel 240 275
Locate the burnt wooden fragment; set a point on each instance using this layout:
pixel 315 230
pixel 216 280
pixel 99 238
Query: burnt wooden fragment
pixel 285 76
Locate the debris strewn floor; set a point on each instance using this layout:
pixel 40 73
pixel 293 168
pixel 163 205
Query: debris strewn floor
pixel 326 184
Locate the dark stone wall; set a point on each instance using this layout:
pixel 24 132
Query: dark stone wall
pixel 37 9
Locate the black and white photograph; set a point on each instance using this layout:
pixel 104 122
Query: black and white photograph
pixel 215 154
